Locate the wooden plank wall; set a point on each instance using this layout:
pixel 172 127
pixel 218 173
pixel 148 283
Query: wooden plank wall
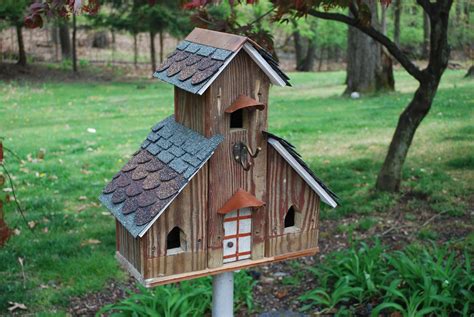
pixel 242 76
pixel 287 188
pixel 189 109
pixel 128 246
pixel 189 212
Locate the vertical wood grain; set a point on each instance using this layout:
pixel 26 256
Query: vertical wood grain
pixel 242 76
pixel 285 189
pixel 189 212
pixel 129 247
pixel 190 109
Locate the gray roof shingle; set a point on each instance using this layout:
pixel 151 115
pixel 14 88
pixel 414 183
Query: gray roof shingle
pixel 156 174
pixel 183 67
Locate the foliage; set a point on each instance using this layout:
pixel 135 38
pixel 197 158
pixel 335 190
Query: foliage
pixel 188 298
pixel 12 11
pixel 415 282
pixel 185 299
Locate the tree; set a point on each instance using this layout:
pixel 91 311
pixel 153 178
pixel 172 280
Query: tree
pixel 64 40
pixel 305 52
pixel 142 16
pixel 429 78
pixel 12 12
pixel 74 43
pixel 426 36
pixel 365 60
pixel 397 13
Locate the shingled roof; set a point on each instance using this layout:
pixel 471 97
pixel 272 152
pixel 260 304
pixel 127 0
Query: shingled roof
pixel 204 54
pixel 288 152
pixel 165 163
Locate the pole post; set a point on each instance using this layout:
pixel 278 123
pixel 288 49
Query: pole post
pixel 223 295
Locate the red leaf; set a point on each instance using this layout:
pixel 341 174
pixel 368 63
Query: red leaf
pixel 194 4
pixel 34 21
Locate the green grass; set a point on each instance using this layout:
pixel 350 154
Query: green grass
pixel 344 141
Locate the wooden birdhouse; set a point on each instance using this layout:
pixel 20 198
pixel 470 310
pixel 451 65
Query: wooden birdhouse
pixel 209 190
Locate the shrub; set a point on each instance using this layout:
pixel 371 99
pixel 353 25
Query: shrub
pixel 417 281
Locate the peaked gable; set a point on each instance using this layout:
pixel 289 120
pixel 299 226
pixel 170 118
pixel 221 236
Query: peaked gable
pixel 204 54
pixel 288 152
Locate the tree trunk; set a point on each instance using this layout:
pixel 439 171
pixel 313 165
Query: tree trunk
pixel 383 20
pixel 426 36
pixel 135 50
pixel 368 70
pixel 74 43
pixel 161 46
pixel 308 63
pixel 21 45
pixel 397 12
pixel 152 51
pixel 298 45
pixel 55 39
pixel 321 54
pixel 390 175
pixel 64 40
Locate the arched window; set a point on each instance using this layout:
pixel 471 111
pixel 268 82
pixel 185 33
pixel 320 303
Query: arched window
pixel 175 241
pixel 237 119
pixel 292 220
pixel 290 217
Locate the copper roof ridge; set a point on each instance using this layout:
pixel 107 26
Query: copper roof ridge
pixel 227 41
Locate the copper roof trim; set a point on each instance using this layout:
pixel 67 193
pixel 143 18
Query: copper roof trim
pixel 241 199
pixel 245 102
pixel 222 40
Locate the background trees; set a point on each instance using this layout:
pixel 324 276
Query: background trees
pixel 12 11
pixel 368 65
pixel 369 68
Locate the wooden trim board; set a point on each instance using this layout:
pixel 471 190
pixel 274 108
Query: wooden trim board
pixel 232 266
pixel 129 267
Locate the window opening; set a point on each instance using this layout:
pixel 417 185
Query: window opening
pixel 290 218
pixel 237 119
pixel 174 239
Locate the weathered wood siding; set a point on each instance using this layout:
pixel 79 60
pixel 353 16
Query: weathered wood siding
pixel 129 247
pixel 189 212
pixel 285 189
pixel 226 176
pixel 189 109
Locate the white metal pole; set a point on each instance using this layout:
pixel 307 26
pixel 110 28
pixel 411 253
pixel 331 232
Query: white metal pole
pixel 223 295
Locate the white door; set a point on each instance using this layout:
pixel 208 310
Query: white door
pixel 237 235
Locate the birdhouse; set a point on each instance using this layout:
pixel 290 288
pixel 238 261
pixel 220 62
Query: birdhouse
pixel 210 190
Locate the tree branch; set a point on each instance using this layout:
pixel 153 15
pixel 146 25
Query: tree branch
pixel 426 5
pixel 401 57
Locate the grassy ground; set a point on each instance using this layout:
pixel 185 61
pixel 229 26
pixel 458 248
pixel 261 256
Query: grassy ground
pixel 70 251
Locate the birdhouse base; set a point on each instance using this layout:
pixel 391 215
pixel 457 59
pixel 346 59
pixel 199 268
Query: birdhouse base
pixel 234 266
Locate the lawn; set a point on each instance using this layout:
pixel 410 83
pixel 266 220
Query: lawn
pixel 87 130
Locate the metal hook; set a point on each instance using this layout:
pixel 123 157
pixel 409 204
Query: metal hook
pixel 241 151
